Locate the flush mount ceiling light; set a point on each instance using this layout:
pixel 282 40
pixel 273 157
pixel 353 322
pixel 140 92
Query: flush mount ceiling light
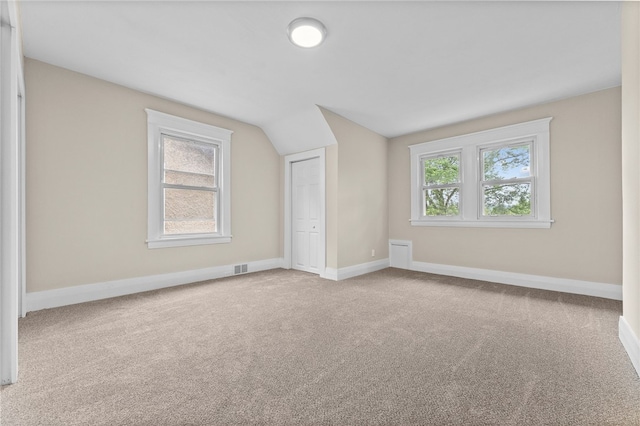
pixel 306 32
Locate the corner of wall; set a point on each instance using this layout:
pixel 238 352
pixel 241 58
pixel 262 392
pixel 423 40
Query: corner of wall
pixel 357 209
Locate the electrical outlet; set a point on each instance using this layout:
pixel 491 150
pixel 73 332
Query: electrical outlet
pixel 373 252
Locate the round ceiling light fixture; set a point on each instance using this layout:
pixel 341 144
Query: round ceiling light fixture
pixel 306 32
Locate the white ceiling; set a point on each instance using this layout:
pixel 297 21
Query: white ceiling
pixel 393 67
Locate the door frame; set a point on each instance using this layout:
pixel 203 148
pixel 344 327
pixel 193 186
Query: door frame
pixel 11 189
pixel 288 223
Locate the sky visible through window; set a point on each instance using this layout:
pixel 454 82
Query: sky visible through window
pixel 438 171
pixel 511 164
pixel 507 163
pixel 506 182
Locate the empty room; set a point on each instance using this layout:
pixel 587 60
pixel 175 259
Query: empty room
pixel 319 212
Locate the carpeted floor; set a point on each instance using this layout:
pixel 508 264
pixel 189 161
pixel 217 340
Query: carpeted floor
pixel 288 348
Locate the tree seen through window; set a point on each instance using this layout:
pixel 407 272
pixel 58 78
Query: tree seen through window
pixel 507 181
pixel 442 185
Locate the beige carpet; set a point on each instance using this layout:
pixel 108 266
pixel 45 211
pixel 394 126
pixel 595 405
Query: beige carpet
pixel 285 347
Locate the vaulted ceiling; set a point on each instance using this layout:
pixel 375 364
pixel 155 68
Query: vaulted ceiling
pixel 393 67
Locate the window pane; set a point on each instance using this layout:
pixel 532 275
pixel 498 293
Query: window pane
pixel 194 162
pixel 507 200
pixel 188 211
pixel 507 162
pixel 442 170
pixel 442 202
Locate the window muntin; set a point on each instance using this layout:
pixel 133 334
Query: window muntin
pixel 507 182
pixel 189 174
pixel 499 192
pixel 441 185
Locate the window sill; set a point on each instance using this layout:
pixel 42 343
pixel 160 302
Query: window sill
pixel 484 223
pixel 187 241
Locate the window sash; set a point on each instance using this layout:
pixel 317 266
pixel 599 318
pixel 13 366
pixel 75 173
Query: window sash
pixel 506 144
pixel 426 187
pixel 193 141
pixel 424 158
pixel 213 189
pixel 482 183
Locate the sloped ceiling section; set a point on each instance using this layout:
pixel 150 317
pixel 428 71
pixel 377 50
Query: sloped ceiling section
pixel 392 67
pixel 302 131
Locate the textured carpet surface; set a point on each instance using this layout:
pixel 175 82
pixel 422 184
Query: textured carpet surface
pixel 285 347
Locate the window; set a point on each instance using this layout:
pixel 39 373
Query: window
pixel 495 178
pixel 506 182
pixel 441 185
pixel 189 199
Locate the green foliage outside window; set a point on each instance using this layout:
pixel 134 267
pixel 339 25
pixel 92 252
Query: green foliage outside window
pixel 510 165
pixel 507 199
pixel 442 171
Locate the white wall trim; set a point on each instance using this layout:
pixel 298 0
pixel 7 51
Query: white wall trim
pixel 330 274
pixel 355 270
pixel 539 224
pixel 630 342
pixel 11 189
pixel 322 249
pixel 604 290
pixel 104 290
pixel 23 193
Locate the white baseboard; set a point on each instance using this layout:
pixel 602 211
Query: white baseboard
pixel 630 342
pixel 355 270
pixel 330 274
pixel 104 290
pixel 607 291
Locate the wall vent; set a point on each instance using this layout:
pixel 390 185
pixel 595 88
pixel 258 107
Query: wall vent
pixel 240 269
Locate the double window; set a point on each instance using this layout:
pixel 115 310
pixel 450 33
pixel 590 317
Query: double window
pixel 188 182
pixel 495 178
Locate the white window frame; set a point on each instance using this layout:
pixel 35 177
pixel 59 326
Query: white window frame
pixel 160 124
pixel 470 146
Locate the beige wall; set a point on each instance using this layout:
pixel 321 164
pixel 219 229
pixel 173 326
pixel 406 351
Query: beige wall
pixel 87 189
pixel 630 163
pixel 87 185
pixel 361 204
pixel 331 197
pixel 584 243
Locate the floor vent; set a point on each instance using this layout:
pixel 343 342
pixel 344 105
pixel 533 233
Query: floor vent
pixel 240 269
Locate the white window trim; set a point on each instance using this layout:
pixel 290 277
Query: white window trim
pixel 159 123
pixel 470 145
